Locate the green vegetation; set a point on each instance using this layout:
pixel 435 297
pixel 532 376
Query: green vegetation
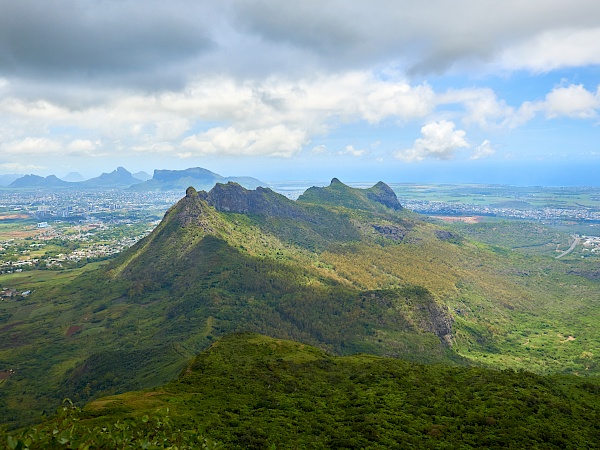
pixel 527 237
pixel 502 195
pixel 344 269
pixel 250 391
pixel 66 430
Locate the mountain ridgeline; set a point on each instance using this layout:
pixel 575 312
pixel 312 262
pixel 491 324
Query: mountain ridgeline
pixel 343 269
pixel 121 178
pixel 256 250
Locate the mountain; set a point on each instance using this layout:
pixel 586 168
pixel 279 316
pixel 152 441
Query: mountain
pixel 198 177
pixel 6 179
pixel 253 391
pixel 338 194
pixel 121 178
pixel 73 177
pixel 345 270
pixel 142 176
pixel 117 178
pixel 35 181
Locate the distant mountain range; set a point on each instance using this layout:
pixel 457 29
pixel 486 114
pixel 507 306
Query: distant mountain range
pixel 73 177
pixel 6 179
pixel 141 181
pixel 201 179
pixel 117 178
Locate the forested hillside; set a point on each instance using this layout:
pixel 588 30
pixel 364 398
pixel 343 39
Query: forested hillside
pixel 346 270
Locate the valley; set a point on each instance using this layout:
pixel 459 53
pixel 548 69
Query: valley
pixel 347 270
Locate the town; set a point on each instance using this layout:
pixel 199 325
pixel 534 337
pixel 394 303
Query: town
pixel 65 228
pixel 468 209
pixel 46 229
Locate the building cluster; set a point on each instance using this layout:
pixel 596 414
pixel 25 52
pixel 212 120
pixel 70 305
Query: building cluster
pixel 64 227
pixel 46 205
pixel 469 209
pixel 591 244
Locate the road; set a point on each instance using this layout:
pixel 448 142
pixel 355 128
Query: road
pixel 571 248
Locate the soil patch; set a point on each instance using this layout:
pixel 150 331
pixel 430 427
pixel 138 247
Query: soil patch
pixel 465 219
pixel 73 329
pixel 10 326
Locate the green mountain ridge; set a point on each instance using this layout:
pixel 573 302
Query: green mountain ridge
pixel 252 391
pixel 346 270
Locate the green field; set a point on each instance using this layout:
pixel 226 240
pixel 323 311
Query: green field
pixel 538 197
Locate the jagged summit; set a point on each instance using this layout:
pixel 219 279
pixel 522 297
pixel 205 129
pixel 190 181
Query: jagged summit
pixel 29 181
pixel 200 178
pixel 232 197
pixel 191 192
pixel 340 194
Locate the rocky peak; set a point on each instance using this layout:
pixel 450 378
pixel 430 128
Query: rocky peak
pixel 191 192
pixel 232 197
pixel 339 194
pixel 382 193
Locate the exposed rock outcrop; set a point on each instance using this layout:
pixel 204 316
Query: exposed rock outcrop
pixel 391 231
pixel 232 197
pixel 382 193
pixel 339 194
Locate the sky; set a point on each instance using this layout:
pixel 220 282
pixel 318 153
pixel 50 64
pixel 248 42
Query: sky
pixel 396 90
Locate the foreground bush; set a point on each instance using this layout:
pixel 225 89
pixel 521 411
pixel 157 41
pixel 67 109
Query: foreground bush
pixel 67 431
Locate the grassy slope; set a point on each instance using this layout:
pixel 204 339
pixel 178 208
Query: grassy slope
pixel 250 391
pixel 202 274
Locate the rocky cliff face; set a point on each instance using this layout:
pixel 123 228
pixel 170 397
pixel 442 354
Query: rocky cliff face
pixel 232 197
pixel 437 321
pixel 195 172
pixel 382 193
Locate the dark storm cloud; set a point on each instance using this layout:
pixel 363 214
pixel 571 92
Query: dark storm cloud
pixel 73 38
pixel 423 37
pixel 157 44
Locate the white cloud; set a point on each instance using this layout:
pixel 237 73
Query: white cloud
pixel 274 141
pixel 554 49
pixel 19 168
pixel 571 101
pixel 156 148
pixel 319 150
pixel 483 150
pixel 350 150
pixel 275 116
pixel 481 106
pixel 31 146
pixel 83 146
pixel 440 141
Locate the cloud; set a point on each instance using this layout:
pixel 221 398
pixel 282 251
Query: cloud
pixel 32 146
pixel 483 150
pixel 19 168
pixel 440 141
pixel 571 101
pixel 350 150
pixel 95 40
pixel 319 150
pixel 118 45
pixel 83 146
pixel 276 116
pixel 554 49
pixel 274 141
pixel 434 37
